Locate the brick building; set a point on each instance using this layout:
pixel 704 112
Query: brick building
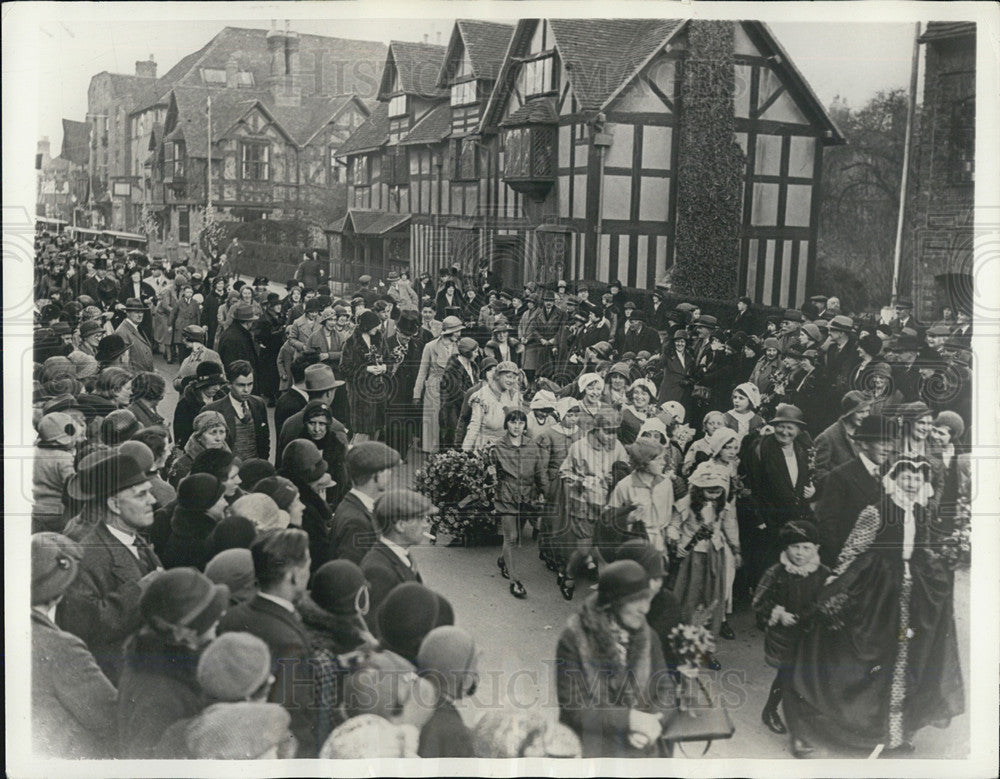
pixel 942 196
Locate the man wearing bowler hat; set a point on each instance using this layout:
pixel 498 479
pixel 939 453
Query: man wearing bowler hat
pixel 140 348
pixel 237 341
pixel 101 605
pixel 845 491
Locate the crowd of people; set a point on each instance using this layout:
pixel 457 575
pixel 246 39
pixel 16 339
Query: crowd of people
pixel 198 591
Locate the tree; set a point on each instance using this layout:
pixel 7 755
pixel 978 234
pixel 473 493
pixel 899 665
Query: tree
pixel 860 201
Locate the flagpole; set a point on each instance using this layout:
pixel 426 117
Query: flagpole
pixel 208 206
pixel 910 111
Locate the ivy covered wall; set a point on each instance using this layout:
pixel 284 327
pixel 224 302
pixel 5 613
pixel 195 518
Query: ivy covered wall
pixel 710 167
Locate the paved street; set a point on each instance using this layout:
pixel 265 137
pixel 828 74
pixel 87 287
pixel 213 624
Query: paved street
pixel 517 640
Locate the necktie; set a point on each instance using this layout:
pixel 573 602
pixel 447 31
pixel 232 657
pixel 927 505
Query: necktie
pixel 413 566
pixel 246 411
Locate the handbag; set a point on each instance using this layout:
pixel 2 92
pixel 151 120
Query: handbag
pixel 701 392
pixel 701 717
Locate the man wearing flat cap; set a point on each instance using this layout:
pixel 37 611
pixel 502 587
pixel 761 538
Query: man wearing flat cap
pixel 402 520
pixel 101 604
pixel 637 336
pixel 72 702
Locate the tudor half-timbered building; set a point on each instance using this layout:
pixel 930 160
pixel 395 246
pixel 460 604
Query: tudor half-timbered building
pixel 586 115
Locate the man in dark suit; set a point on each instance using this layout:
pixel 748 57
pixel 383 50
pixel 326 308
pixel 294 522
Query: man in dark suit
pixel 853 485
pixel 677 363
pixel 402 518
pixel 134 334
pixel 237 341
pixel 370 467
pixel 248 433
pixel 294 399
pixel 834 445
pixel 101 606
pixel 459 376
pixel 320 383
pixel 281 563
pixel 637 337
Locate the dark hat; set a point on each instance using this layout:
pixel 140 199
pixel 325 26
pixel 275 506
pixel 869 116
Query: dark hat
pixel 705 320
pixel 872 344
pixel 281 490
pixel 467 345
pixel 853 401
pixel 792 315
pixel 61 328
pixel 364 279
pixel 915 410
pixel 65 402
pixel 399 505
pixel 905 342
pixel 183 598
pixel 631 303
pixel 487 363
pixel 315 305
pixel 134 304
pixel 642 552
pixel 111 347
pixel 320 377
pixel 317 408
pixel 199 491
pixel 118 426
pixel 253 470
pixel 953 422
pixel 818 298
pixel 339 587
pixel 370 457
pixel 208 374
pixel 234 666
pixel 876 427
pixel 786 412
pixel 622 581
pixel 368 320
pixel 261 281
pixel 244 313
pixel 548 295
pixel 89 327
pixel 409 612
pixel 194 333
pixel 607 419
pixel 232 565
pixel 54 563
pixel 303 458
pixel 502 325
pixel 904 303
pixel 638 316
pixel 392 276
pixel 409 323
pixel 273 299
pixel 797 531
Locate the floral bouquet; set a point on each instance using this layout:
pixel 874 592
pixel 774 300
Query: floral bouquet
pixel 956 548
pixel 462 485
pixel 691 644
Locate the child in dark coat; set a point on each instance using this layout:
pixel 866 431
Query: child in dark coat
pixel 786 593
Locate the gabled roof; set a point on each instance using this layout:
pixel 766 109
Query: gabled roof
pixel 75 142
pixel 372 134
pixel 939 31
pixel 134 91
pixel 599 56
pixel 434 126
pixel 322 61
pixel 228 107
pixel 418 66
pixel 484 42
pixel 801 90
pixel 305 121
pixel 363 222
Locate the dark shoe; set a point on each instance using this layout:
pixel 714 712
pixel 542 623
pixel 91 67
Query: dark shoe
pixel 713 663
pixel 802 748
pixel 517 590
pixel 503 567
pixel 566 587
pixel 727 632
pixel 772 719
pixel 552 565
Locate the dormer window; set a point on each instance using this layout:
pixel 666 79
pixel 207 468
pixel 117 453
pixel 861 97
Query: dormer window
pixel 244 79
pixel 397 106
pixel 464 93
pixel 213 76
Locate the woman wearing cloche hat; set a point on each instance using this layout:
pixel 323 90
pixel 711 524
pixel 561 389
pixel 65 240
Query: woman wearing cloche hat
pixel 607 647
pixel 72 702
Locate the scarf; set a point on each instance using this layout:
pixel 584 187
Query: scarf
pixel 800 570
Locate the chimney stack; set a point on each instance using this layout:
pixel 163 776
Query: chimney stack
pixel 146 68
